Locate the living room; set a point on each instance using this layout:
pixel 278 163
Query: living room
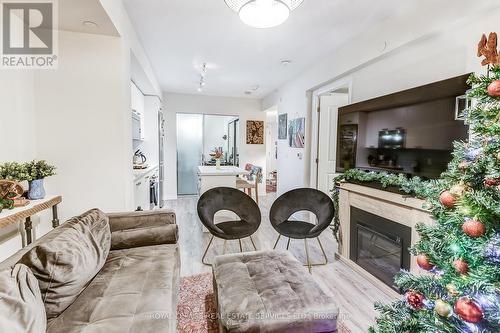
pixel 136 167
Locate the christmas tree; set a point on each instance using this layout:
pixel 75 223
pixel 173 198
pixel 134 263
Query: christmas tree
pixel 461 251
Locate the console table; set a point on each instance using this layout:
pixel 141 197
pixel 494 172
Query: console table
pixel 13 216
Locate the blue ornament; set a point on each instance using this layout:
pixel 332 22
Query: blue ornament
pixel 472 154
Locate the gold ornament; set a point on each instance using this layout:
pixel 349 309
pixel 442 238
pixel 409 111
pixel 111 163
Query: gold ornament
pixel 458 190
pixel 442 308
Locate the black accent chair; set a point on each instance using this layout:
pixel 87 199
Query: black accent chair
pixel 226 198
pixel 303 199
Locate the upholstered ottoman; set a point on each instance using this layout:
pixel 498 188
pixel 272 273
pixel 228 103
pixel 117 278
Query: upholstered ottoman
pixel 270 292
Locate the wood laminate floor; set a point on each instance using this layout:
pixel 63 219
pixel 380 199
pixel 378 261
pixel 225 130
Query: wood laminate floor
pixel 355 294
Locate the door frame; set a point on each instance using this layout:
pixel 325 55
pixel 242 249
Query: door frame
pixel 316 95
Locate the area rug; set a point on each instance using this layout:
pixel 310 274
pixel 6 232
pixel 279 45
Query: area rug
pixel 196 312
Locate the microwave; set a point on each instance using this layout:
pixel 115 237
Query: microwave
pixel 136 126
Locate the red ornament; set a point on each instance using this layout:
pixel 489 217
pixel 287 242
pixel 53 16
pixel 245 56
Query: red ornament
pixel 491 182
pixel 494 89
pixel 473 228
pixel 416 300
pixel 469 311
pixel 424 263
pixel 461 266
pixel 447 199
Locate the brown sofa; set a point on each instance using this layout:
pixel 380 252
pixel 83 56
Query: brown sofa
pixel 95 273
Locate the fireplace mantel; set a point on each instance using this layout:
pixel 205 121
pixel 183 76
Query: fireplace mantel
pixel 405 210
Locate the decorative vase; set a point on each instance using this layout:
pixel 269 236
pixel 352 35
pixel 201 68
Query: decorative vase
pixel 36 190
pixel 217 163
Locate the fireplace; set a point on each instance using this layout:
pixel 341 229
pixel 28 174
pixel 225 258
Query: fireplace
pixel 379 245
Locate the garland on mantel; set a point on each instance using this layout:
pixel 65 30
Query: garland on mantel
pixel 414 186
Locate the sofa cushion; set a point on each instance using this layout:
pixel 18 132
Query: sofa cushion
pixel 270 291
pixel 21 305
pixel 146 236
pixel 135 292
pixel 65 264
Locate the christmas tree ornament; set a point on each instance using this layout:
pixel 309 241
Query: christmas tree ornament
pixel 473 228
pixel 469 311
pixel 424 262
pixel 458 190
pixel 416 300
pixel 461 266
pixel 473 154
pixel 494 88
pixel 491 182
pixel 452 289
pixel 447 199
pixel 443 308
pixel 463 165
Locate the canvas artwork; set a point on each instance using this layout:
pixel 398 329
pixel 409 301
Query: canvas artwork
pixel 282 126
pixel 296 133
pixel 255 132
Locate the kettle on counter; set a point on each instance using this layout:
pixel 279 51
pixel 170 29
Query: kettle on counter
pixel 139 157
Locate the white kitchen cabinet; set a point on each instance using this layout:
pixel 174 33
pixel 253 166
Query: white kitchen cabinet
pixel 137 104
pixel 142 180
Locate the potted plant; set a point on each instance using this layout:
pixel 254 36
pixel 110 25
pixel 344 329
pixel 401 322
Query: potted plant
pixel 37 171
pixel 217 154
pixel 14 171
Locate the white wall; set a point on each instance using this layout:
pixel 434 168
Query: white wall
pixel 84 124
pixel 245 109
pixel 416 54
pixel 17 115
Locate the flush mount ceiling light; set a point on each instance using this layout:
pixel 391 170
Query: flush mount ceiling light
pixel 263 13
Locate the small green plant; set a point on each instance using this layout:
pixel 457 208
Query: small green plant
pixel 14 171
pixel 39 170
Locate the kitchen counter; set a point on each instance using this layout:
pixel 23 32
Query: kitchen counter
pixel 205 170
pixel 139 173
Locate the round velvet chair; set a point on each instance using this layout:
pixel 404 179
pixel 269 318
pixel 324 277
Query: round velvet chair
pixel 303 199
pixel 231 199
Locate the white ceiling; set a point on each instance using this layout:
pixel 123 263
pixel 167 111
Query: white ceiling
pixel 180 35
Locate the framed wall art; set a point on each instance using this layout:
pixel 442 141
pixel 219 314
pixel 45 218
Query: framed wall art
pixel 255 132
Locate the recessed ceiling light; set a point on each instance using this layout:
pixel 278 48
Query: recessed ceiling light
pixel 255 87
pixel 90 24
pixel 285 62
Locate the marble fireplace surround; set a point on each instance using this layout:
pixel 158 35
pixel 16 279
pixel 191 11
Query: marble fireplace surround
pixel 401 209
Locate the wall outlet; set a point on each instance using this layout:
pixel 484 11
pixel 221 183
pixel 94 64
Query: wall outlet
pixel 299 155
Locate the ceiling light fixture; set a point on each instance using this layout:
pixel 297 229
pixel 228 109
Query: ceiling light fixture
pixel 203 74
pixel 263 13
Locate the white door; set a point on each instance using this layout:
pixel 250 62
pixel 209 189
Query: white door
pixel 327 139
